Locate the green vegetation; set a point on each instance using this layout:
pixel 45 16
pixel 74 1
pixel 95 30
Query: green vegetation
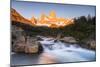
pixel 84 28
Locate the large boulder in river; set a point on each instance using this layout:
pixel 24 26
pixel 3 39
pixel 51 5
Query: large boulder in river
pixel 28 45
pixel 91 44
pixel 68 40
pixel 19 47
pixel 33 46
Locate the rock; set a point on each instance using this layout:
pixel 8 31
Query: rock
pixel 40 49
pixel 49 46
pixel 32 46
pixel 68 40
pixel 28 45
pixel 91 44
pixel 39 39
pixel 31 49
pixel 88 44
pixel 33 20
pixel 18 39
pixel 19 47
pixel 55 41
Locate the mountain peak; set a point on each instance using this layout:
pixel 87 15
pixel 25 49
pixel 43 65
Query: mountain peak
pixel 53 21
pixel 50 21
pixel 33 20
pixel 52 14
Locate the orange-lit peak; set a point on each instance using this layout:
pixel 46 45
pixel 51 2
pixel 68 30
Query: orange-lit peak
pixel 52 14
pixel 42 16
pixel 52 20
pixel 33 20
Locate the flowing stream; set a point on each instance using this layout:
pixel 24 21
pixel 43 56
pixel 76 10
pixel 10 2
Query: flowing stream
pixel 54 52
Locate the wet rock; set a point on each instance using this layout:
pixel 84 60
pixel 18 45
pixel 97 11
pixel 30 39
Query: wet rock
pixel 68 40
pixel 33 46
pixel 91 44
pixel 39 39
pixel 19 47
pixel 88 44
pixel 17 39
pixel 27 45
pixel 31 49
pixel 67 45
pixel 56 41
pixel 40 49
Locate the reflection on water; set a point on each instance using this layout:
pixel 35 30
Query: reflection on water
pixel 24 59
pixel 54 52
pixel 46 58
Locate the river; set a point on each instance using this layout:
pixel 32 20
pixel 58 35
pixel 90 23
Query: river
pixel 54 52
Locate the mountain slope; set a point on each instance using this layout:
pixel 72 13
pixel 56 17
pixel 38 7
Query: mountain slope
pixel 15 16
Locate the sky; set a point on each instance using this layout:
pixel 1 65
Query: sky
pixel 29 9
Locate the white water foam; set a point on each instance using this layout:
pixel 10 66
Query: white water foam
pixel 65 53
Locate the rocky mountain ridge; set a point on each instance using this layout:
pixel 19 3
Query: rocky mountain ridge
pixel 50 21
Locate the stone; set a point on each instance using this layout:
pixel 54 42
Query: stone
pixel 31 49
pixel 91 44
pixel 68 40
pixel 19 47
pixel 39 39
pixel 28 45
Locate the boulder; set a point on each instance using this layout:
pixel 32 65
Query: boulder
pixel 28 45
pixel 31 49
pixel 39 39
pixel 68 40
pixel 91 44
pixel 32 46
pixel 40 49
pixel 88 44
pixel 19 47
